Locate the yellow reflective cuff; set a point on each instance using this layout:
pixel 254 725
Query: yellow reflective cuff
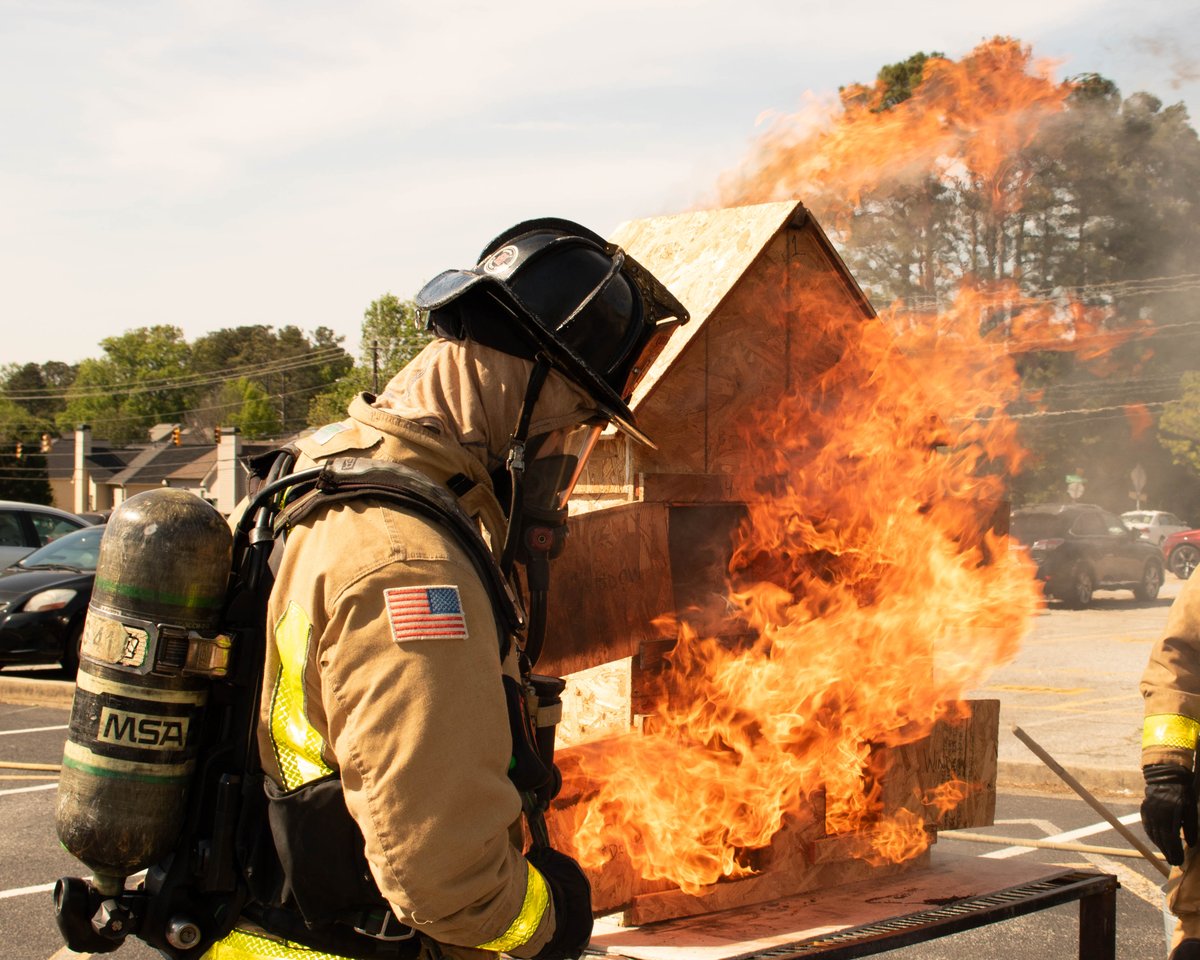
pixel 242 945
pixel 537 900
pixel 299 749
pixel 1170 730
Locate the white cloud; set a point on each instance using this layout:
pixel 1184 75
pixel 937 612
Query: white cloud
pixel 232 161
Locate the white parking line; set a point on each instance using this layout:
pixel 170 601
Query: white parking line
pixel 23 891
pixel 60 726
pixel 1069 835
pixel 44 786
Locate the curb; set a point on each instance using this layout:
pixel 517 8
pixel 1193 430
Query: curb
pixel 37 693
pixel 1110 781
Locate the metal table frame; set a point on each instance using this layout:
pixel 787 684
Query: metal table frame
pixel 1096 893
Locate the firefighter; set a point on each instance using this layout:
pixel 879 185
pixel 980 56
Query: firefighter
pixel 384 726
pixel 1171 689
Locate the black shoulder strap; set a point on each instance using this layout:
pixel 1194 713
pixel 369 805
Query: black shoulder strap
pixel 348 478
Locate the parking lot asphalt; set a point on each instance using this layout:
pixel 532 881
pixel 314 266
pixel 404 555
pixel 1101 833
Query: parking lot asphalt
pixel 1072 687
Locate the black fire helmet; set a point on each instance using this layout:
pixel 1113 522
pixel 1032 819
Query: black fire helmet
pixel 553 288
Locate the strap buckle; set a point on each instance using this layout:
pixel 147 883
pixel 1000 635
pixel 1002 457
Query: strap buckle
pixel 384 925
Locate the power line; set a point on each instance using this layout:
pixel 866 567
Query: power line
pixel 1178 283
pixel 217 406
pixel 283 365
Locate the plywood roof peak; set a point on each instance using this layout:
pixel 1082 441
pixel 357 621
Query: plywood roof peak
pixel 700 255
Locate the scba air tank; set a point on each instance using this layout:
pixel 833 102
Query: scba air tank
pixel 150 646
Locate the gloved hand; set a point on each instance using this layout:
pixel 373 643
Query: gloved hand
pixel 572 904
pixel 1169 807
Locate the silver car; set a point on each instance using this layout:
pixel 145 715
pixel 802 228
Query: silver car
pixel 26 526
pixel 1154 525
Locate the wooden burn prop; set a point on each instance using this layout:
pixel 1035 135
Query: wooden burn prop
pixel 651 535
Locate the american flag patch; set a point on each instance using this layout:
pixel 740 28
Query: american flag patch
pixel 425 613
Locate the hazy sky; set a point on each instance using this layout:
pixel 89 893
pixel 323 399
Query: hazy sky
pixel 210 164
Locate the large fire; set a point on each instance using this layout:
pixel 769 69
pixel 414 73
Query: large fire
pixel 866 572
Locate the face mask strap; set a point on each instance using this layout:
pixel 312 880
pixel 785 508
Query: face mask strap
pixel 516 462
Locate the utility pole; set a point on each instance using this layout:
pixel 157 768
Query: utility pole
pixel 375 367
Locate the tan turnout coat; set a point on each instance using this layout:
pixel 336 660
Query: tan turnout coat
pixel 417 727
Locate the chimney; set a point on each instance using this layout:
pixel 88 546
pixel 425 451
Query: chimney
pixel 231 478
pixel 81 480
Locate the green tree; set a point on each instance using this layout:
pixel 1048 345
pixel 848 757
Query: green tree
pixel 1091 219
pixel 254 413
pixel 38 387
pixel 22 477
pixel 145 377
pixel 391 337
pixel 287 365
pixel 1179 427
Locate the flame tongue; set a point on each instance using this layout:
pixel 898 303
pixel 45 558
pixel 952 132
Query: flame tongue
pixel 875 600
pixel 865 574
pixel 966 119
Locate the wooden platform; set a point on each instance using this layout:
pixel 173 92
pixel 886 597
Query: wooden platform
pixel 948 896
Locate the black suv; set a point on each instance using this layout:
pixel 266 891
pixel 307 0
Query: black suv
pixel 1080 548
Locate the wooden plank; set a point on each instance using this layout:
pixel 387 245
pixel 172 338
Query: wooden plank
pixel 606 480
pixel 822 911
pixel 956 760
pixel 681 488
pixel 966 750
pixel 793 877
pixel 611 582
pixel 597 703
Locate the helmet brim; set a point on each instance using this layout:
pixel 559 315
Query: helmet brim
pixel 449 285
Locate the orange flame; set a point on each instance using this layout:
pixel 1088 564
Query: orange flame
pixel 966 118
pixel 876 598
pixel 866 572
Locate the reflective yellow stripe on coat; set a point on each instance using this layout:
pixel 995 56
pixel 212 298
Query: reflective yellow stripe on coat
pixel 1170 730
pixel 299 749
pixel 537 900
pixel 241 945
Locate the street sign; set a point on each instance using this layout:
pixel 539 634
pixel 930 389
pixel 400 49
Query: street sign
pixel 1139 478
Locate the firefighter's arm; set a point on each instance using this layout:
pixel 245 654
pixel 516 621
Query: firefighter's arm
pixel 417 721
pixel 1171 691
pixel 1171 684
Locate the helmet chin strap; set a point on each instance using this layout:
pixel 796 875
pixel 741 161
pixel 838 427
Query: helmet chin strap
pixel 537 562
pixel 516 462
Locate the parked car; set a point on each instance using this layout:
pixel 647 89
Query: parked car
pixel 27 526
pixel 1080 548
pixel 95 516
pixel 1181 551
pixel 43 600
pixel 1154 525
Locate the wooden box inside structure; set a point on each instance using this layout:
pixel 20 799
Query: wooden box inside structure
pixel 651 530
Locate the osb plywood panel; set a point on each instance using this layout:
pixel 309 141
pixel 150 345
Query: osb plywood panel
pixel 784 321
pixel 748 348
pixel 607 478
pixel 961 751
pixel 614 579
pixel 700 256
pixel 597 703
pixel 676 418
